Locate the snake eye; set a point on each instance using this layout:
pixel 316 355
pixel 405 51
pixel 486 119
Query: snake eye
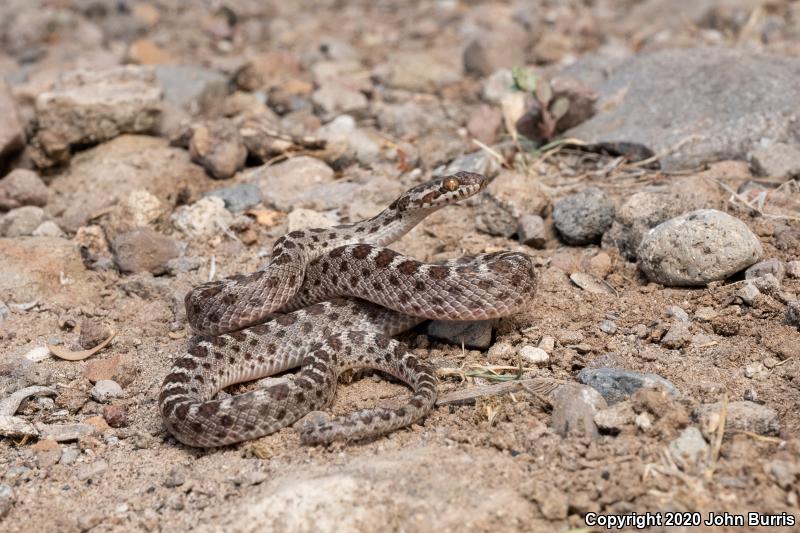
pixel 451 184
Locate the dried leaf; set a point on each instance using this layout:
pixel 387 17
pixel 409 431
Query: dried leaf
pixel 544 93
pixel 513 107
pixel 592 284
pixel 63 353
pixel 559 107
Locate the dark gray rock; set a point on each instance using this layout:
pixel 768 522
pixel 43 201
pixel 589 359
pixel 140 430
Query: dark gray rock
pixel 617 384
pixel 698 247
pixel 472 334
pixel 237 198
pixel 730 99
pixel 793 313
pixel 582 218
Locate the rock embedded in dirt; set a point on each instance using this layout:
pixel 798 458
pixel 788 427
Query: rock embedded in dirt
pixel 762 268
pixel 615 418
pixel 204 218
pixel 677 336
pixel 102 369
pixel 475 334
pixel 91 470
pixel 47 452
pixel 534 355
pixel 574 408
pixel 793 269
pixel 218 147
pixel 740 416
pixel 138 209
pixel 92 106
pixel 583 217
pixel 335 98
pixel 507 198
pixel 115 415
pixel 175 478
pixel 617 384
pixel 748 293
pixel 48 228
pixel 6 499
pixel 188 90
pixel 792 316
pixel 693 87
pixel 698 247
pixel 422 71
pixel 22 187
pixel 689 450
pixel 64 432
pixel 531 231
pixel 237 198
pixel 121 166
pixel 641 212
pixel 348 141
pixel 144 250
pixel 300 182
pixel 22 221
pixel 92 334
pixel 778 160
pixel 106 390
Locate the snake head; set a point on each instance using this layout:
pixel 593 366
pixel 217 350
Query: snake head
pixel 441 191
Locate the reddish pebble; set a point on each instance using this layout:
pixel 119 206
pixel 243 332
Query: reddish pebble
pixel 115 415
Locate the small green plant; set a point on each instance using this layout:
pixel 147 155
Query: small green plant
pixel 550 108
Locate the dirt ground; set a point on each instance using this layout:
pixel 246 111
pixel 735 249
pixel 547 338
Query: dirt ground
pixel 494 463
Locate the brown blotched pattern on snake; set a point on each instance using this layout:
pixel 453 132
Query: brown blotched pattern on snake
pixel 327 338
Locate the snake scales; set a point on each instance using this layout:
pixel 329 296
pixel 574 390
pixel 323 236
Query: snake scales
pixel 243 338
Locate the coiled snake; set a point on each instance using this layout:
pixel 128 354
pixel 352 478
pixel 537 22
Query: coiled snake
pixel 242 338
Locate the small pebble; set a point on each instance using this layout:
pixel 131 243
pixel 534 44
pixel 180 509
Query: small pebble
pixel 106 390
pixel 793 269
pixel 677 336
pixel 69 455
pixel 574 409
pixel 767 283
pixel 534 355
pixel 617 384
pixel 748 293
pixel 762 268
pixel 175 478
pixel 690 449
pixel 501 351
pixel 6 499
pixel 677 312
pixel 115 415
pixel 547 343
pixel 608 326
pixel 91 470
pixel 793 313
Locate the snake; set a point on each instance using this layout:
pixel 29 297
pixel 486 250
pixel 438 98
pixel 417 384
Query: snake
pixel 331 300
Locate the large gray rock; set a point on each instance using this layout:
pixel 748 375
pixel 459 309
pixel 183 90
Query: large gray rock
pixel 698 247
pixel 729 99
pixel 88 107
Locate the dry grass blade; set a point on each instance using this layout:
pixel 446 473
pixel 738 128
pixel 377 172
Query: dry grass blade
pixel 63 353
pixel 714 452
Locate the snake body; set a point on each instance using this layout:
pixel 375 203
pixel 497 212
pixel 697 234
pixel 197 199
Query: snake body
pixel 242 338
